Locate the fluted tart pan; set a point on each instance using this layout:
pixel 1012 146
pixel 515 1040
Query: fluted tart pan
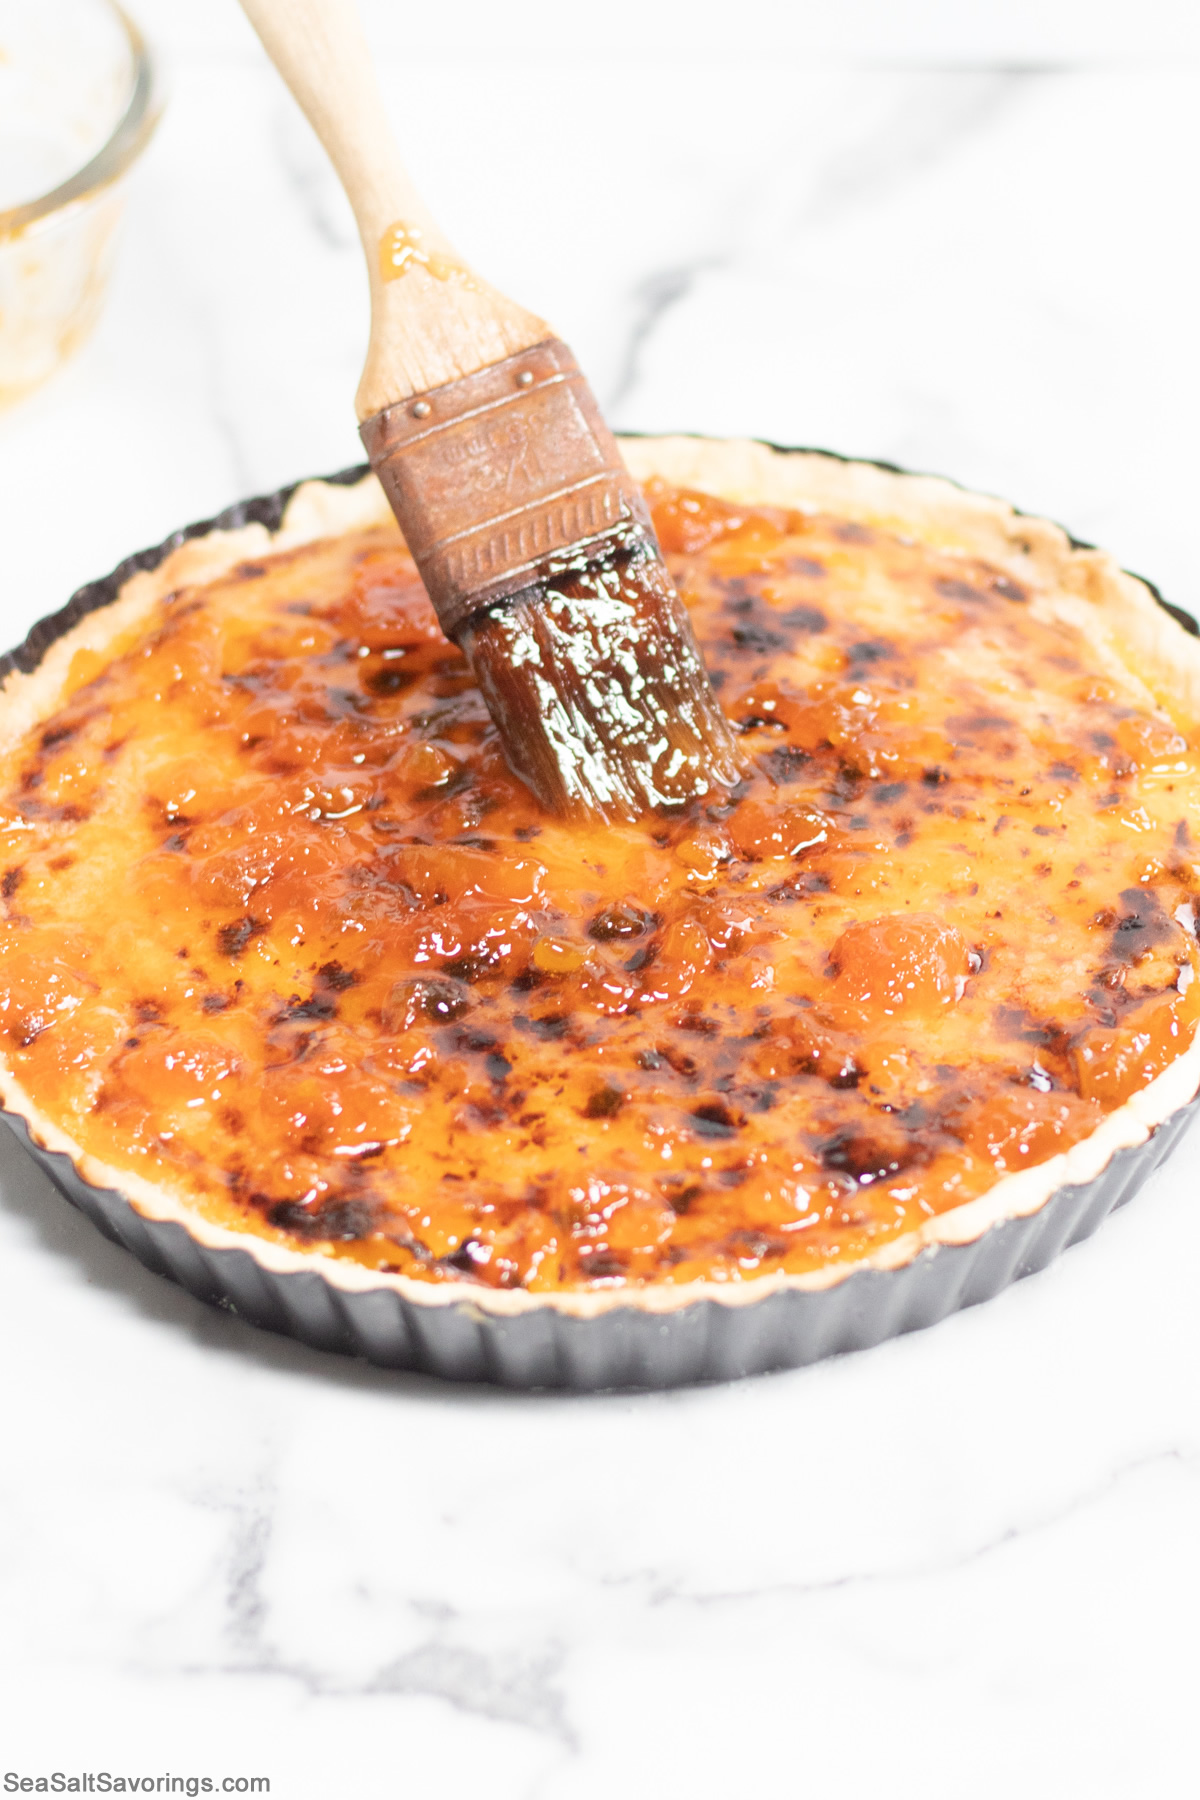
pixel 651 1336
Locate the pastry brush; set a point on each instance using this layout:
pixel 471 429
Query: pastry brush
pixel 531 537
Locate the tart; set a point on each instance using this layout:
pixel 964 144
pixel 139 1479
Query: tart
pixel 302 996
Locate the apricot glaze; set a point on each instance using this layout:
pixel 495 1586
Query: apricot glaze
pixel 285 935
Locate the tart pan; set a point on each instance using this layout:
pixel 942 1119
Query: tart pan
pixel 625 1346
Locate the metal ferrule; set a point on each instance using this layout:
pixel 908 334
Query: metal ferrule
pixel 497 475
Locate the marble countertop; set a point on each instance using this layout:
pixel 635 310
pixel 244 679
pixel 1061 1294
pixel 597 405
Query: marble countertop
pixel 965 1562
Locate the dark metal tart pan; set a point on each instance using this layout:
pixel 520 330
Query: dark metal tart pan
pixel 624 1347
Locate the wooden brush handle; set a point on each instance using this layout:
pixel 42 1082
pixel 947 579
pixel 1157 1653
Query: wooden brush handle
pixel 432 319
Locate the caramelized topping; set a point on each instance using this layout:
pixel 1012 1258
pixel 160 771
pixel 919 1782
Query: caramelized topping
pixel 283 932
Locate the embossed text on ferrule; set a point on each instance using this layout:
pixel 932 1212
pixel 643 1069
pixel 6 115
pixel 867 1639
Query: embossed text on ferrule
pixel 497 472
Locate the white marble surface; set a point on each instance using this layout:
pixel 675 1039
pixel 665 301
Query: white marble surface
pixel 964 1563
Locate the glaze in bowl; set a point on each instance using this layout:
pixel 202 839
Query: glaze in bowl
pixel 79 101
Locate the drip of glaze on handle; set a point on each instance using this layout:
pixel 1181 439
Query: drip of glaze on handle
pixel 401 250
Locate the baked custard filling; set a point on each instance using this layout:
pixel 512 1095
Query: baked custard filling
pixel 283 935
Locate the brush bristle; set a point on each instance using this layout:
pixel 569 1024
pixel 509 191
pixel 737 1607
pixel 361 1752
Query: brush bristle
pixel 596 685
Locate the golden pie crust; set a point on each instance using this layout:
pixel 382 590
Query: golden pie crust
pixel 291 959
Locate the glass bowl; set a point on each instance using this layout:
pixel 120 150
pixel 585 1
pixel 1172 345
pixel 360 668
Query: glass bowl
pixel 78 102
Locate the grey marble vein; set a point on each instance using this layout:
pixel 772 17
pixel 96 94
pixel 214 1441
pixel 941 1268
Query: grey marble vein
pixel 512 1686
pixel 797 198
pixel 249 1546
pixel 310 176
pixel 674 1594
pixel 515 1684
pixel 930 120
pixel 650 301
